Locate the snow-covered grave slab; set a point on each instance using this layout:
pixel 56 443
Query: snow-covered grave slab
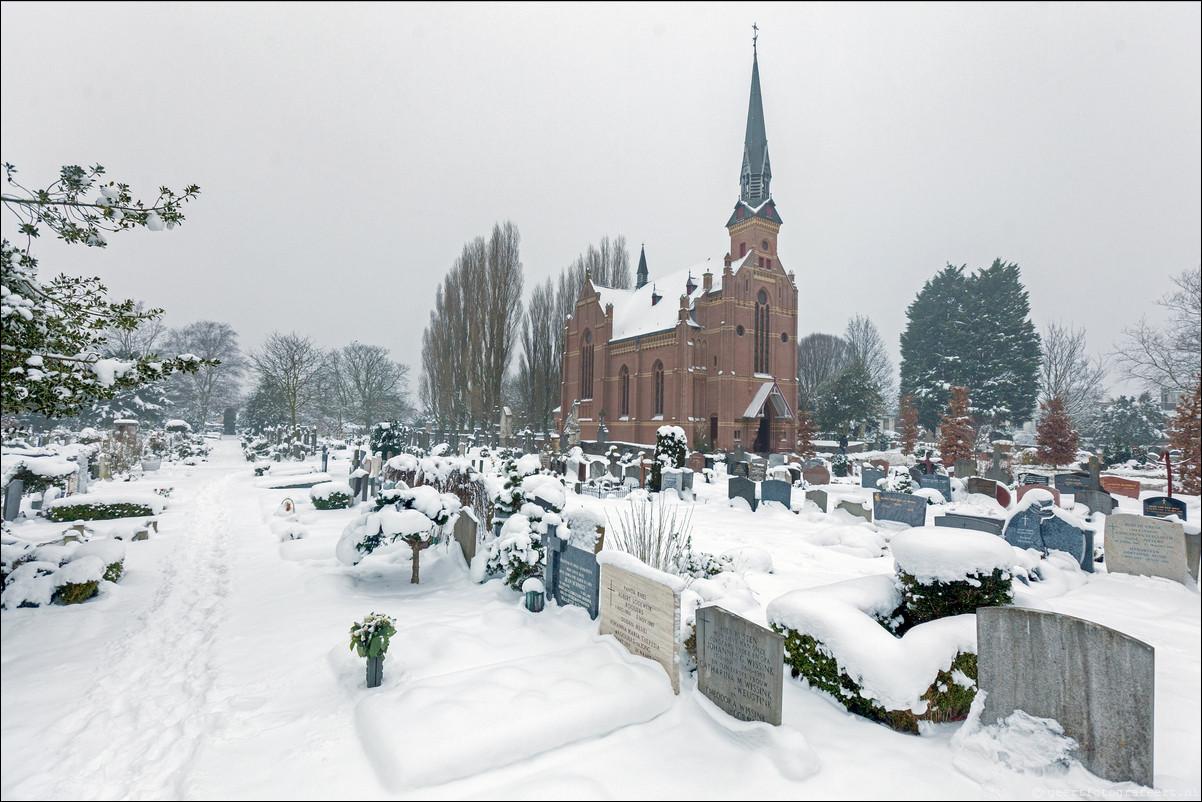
pixel 536 704
pixel 297 480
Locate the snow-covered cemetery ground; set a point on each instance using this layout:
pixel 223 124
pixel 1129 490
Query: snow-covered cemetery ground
pixel 218 665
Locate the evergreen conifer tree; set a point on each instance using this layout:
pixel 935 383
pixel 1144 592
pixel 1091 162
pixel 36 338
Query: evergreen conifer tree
pixel 1055 436
pixel 1185 435
pixel 956 436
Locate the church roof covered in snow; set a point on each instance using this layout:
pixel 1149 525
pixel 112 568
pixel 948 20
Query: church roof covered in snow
pixel 634 314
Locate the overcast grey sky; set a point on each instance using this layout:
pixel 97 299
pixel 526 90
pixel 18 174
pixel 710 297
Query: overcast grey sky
pixel 347 152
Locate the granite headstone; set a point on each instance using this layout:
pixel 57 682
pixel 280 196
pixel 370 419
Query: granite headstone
pixel 644 616
pixel 900 507
pixel 740 665
pixel 855 508
pixel 573 575
pixel 818 497
pixel 938 481
pixel 870 476
pixel 738 487
pixel 1163 507
pixel 1138 544
pixel 977 523
pixel 816 475
pixel 1116 485
pixel 776 490
pixel 986 487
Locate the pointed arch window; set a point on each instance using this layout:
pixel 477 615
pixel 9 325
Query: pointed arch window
pixel 586 366
pixel 761 332
pixel 624 384
pixel 659 387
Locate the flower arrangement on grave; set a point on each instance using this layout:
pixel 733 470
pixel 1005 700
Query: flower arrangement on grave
pixel 900 649
pixel 671 451
pixel 369 637
pixel 417 516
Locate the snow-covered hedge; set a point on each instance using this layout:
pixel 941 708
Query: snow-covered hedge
pixel 103 508
pixel 331 496
pixel 945 572
pixel 68 573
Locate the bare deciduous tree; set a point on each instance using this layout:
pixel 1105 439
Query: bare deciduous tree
pixel 213 387
pixel 1068 373
pixel 866 344
pixel 368 385
pixel 821 358
pixel 292 366
pixel 1167 358
pixel 538 370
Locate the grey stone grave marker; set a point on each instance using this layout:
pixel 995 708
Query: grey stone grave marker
pixel 986 487
pixel 977 523
pixel 757 471
pixel 813 462
pixel 1096 500
pixel 818 497
pixel 644 616
pixel 739 454
pixel 740 665
pixel 870 476
pixel 916 474
pixel 900 507
pixel 670 480
pixel 465 533
pixel 776 490
pixel 775 460
pixel 937 481
pixel 632 472
pixel 738 487
pixel 1163 507
pixel 996 472
pixel 1033 479
pixel 697 462
pixel 12 499
pixel 965 468
pixel 856 509
pixel 816 475
pixel 1137 544
pixel 596 470
pixel 1095 681
pixel 1038 527
pixel 573 575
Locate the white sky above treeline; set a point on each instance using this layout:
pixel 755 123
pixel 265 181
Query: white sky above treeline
pixel 347 152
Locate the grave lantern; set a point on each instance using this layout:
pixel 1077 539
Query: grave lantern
pixel 535 594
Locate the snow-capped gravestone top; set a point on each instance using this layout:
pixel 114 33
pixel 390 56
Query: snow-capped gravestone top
pixel 740 665
pixel 1037 524
pixel 900 507
pixel 757 470
pixel 640 606
pixel 573 574
pixel 818 497
pixel 1163 507
pixel 1136 544
pixel 1033 479
pixel 857 509
pixel 465 533
pixel 1023 490
pixel 1095 681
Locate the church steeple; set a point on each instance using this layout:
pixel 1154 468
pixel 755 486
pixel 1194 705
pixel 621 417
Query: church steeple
pixel 641 276
pixel 756 176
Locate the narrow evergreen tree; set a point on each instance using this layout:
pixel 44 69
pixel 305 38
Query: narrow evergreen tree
pixel 1127 426
pixel 805 434
pixel 908 417
pixel 851 400
pixel 1055 436
pixel 1185 435
pixel 956 435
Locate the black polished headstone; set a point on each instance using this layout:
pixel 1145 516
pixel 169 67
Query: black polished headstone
pixel 1163 507
pixel 938 482
pixel 900 507
pixel 870 476
pixel 776 490
pixel 1033 479
pixel 1070 482
pixel 738 487
pixel 739 469
pixel 1038 527
pixel 573 575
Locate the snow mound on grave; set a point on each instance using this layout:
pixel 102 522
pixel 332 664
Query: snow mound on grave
pixel 326 489
pixel 845 617
pixel 548 488
pixel 939 554
pixel 748 560
pixel 107 549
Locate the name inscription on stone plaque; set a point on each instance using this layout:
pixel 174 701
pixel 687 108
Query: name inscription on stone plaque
pixel 1136 544
pixel 644 615
pixel 740 665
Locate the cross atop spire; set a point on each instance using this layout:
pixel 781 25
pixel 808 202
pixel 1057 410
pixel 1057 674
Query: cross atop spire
pixel 755 32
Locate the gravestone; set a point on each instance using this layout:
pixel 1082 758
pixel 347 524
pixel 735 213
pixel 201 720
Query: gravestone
pixel 818 497
pixel 1163 507
pixel 1033 479
pixel 880 464
pixel 870 476
pixel 938 481
pixel 686 479
pixel 1116 485
pixel 1022 490
pixel 900 507
pixel 1038 527
pixel 757 471
pixel 739 454
pixel 738 487
pixel 644 616
pixel 709 461
pixel 965 468
pixel 670 480
pixel 856 509
pixel 12 499
pixel 776 490
pixel 794 473
pixel 1136 544
pixel 596 470
pixel 1098 683
pixel 1096 501
pixel 83 479
pixel 740 665
pixel 465 533
pixel 775 460
pixel 813 462
pixel 1070 482
pixel 986 487
pixel 816 475
pixel 633 472
pixel 739 469
pixel 977 523
pixel 996 472
pixel 573 575
pixel 697 462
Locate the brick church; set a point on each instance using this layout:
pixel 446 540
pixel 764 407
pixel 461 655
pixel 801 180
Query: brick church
pixel 711 348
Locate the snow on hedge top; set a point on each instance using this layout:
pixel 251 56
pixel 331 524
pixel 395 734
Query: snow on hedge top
pixel 628 562
pixel 326 489
pixel 51 466
pixel 939 554
pixel 894 671
pixel 674 432
pixel 154 502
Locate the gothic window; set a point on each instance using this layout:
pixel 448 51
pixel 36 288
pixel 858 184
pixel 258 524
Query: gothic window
pixel 659 387
pixel 742 249
pixel 624 383
pixel 586 366
pixel 761 332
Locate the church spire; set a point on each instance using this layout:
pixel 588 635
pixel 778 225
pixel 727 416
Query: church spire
pixel 641 276
pixel 756 175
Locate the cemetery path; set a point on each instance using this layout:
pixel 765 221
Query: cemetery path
pixel 139 725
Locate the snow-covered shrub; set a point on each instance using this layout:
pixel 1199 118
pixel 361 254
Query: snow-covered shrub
pixel 899 480
pixel 840 465
pixel 79 579
pixel 518 553
pixel 452 475
pixel 387 437
pixel 837 639
pixel 417 516
pixel 83 508
pixel 110 552
pixel 671 451
pixel 331 496
pixel 30 584
pixel 255 447
pixel 950 572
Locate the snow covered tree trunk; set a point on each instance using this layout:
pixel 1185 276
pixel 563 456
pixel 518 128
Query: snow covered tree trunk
pixel 417 545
